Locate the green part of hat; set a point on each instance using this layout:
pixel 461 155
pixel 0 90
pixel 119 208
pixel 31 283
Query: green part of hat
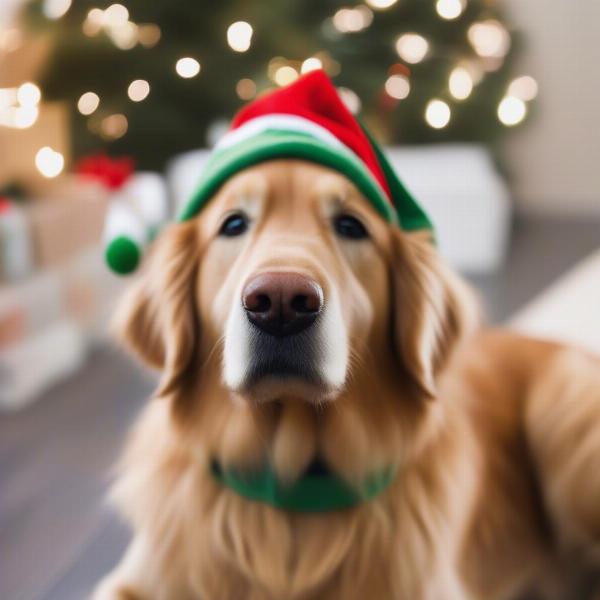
pixel 313 492
pixel 277 144
pixel 412 217
pixel 123 255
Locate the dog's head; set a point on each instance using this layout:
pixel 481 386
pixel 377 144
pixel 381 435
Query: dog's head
pixel 289 286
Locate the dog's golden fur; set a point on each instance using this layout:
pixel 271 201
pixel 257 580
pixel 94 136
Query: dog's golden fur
pixel 495 437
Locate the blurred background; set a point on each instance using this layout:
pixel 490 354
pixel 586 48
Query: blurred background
pixel 489 110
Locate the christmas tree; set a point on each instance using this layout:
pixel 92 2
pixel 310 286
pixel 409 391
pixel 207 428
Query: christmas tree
pixel 153 79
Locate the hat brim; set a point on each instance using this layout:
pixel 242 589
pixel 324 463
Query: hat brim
pixel 269 145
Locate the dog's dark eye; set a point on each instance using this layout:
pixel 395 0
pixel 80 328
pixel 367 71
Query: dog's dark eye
pixel 235 224
pixel 349 227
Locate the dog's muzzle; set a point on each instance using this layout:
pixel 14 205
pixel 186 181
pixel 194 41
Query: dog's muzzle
pixel 284 333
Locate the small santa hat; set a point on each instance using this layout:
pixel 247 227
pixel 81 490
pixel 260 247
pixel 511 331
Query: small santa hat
pixel 308 120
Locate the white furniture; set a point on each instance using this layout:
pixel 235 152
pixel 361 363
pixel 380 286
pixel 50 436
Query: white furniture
pixel 569 310
pixel 457 184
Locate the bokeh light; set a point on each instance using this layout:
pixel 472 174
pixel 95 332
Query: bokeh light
pixel 49 162
pixel 511 111
pixel 245 89
pixel 412 47
pixel 489 38
pixel 381 4
pixel 138 90
pixel 239 36
pixel 524 87
pixel 285 75
pixel 311 64
pixel 437 113
pixel 187 67
pixel 449 9
pixel 28 94
pixel 397 86
pixel 88 103
pixel 114 126
pixel 55 9
pixel 460 83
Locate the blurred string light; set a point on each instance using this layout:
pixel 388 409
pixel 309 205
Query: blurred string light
pixel 412 47
pixel 381 4
pixel 28 94
pixel 460 83
pixel 489 39
pixel 19 106
pixel 93 23
pixel 124 36
pixel 114 21
pixel 274 64
pixel 511 111
pixel 524 87
pixel 350 99
pixel 285 75
pixel 239 36
pixel 114 126
pixel 149 34
pixel 351 20
pixel 245 89
pixel 115 15
pixel 138 90
pixel 88 103
pixel 187 67
pixel 449 9
pixel 311 64
pixel 437 113
pixel 55 9
pixel 49 162
pixel 397 86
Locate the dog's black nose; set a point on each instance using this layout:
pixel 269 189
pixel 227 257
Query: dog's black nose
pixel 282 303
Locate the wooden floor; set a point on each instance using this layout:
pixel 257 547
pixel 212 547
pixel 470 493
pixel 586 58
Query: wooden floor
pixel 57 537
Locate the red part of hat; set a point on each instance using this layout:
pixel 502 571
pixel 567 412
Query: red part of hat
pixel 314 97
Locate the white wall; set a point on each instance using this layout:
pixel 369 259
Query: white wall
pixel 555 158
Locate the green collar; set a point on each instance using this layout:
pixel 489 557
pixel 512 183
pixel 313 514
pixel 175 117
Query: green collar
pixel 318 490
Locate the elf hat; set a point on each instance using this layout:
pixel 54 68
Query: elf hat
pixel 308 120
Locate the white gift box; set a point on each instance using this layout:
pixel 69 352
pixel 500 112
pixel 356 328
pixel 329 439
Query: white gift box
pixel 29 367
pixel 457 184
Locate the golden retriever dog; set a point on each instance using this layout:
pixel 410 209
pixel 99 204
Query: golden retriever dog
pixel 290 324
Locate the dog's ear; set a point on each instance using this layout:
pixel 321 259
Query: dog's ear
pixel 433 308
pixel 157 317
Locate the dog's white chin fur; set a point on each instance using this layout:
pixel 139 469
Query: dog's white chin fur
pixel 331 369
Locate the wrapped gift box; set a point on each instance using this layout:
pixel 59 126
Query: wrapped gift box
pixel 28 367
pixel 81 290
pixel 20 146
pixel 66 219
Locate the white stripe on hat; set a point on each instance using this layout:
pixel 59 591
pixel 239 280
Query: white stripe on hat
pixel 286 122
pixel 281 122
